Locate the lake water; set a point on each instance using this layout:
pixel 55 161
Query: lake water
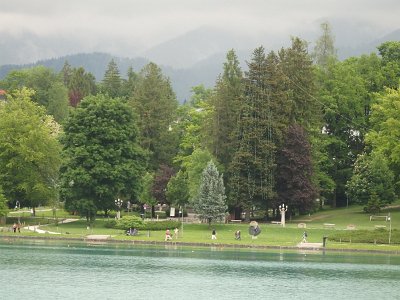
pixel 61 270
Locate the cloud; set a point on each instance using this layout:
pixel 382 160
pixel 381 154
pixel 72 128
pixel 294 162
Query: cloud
pixel 133 25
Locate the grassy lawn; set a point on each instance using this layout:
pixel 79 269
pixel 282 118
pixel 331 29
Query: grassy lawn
pixel 271 234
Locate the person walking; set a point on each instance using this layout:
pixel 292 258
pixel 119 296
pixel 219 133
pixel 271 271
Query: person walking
pixel 214 234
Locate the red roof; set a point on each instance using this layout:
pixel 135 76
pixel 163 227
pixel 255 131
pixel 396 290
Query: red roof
pixel 2 92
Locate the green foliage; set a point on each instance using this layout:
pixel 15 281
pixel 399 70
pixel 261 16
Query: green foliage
pixel 127 222
pixel 111 83
pixel 103 160
pixel 29 151
pixel 3 204
pixel 373 205
pixel 49 89
pixel 194 165
pixel 371 176
pixel 159 188
pixel 383 137
pixel 178 189
pixel 210 203
pixel 146 197
pixel 155 104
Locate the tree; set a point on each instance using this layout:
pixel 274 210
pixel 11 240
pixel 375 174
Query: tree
pixel 111 83
pixel 324 49
pixel 155 103
pixel 81 84
pixel 390 53
pixel 210 203
pixel 48 87
pixel 177 189
pixel 3 206
pixel 226 105
pixel 161 179
pixel 384 134
pixel 294 177
pixel 103 160
pixel 372 181
pixel 29 151
pixel 252 166
pixel 194 165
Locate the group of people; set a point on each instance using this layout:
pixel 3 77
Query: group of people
pixel 168 235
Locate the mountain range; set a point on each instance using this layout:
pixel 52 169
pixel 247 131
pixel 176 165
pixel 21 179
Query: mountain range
pixel 193 58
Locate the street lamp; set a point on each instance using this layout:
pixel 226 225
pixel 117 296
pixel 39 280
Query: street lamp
pixel 181 212
pixel 18 206
pixel 118 202
pixel 283 209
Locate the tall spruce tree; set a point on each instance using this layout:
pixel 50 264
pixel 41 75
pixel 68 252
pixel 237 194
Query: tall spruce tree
pixel 211 200
pixel 226 104
pixel 251 180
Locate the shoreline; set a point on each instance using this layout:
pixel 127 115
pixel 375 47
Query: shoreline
pixel 191 244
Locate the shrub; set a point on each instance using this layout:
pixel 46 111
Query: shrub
pixel 160 225
pixel 127 222
pixel 110 223
pixel 161 214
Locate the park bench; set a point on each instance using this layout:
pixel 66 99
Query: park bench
pixel 329 225
pixel 302 225
pixel 276 222
pixel 235 221
pixel 380 226
pixel 371 218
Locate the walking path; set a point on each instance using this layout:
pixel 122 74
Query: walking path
pixel 36 227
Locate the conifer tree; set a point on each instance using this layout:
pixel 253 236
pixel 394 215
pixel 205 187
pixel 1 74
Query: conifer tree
pixel 226 104
pixel 324 49
pixel 111 83
pixel 251 180
pixel 211 200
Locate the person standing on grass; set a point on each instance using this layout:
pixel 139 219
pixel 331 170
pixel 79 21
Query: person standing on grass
pixel 214 235
pixel 305 235
pixel 176 232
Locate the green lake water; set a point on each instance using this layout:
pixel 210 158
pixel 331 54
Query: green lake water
pixel 65 270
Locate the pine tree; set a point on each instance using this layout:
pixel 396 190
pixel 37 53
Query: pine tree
pixel 211 201
pixel 111 83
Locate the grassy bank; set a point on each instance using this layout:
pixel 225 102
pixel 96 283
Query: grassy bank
pixel 364 237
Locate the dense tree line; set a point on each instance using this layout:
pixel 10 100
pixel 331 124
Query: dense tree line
pixel 295 127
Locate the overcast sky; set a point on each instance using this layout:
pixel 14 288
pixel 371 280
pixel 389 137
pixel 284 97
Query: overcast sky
pixel 103 25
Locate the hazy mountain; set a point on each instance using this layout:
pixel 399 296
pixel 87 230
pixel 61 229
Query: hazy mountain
pixel 193 58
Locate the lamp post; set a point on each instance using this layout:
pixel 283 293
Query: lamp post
pixel 390 227
pixel 18 206
pixel 118 203
pixel 181 212
pixel 283 209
